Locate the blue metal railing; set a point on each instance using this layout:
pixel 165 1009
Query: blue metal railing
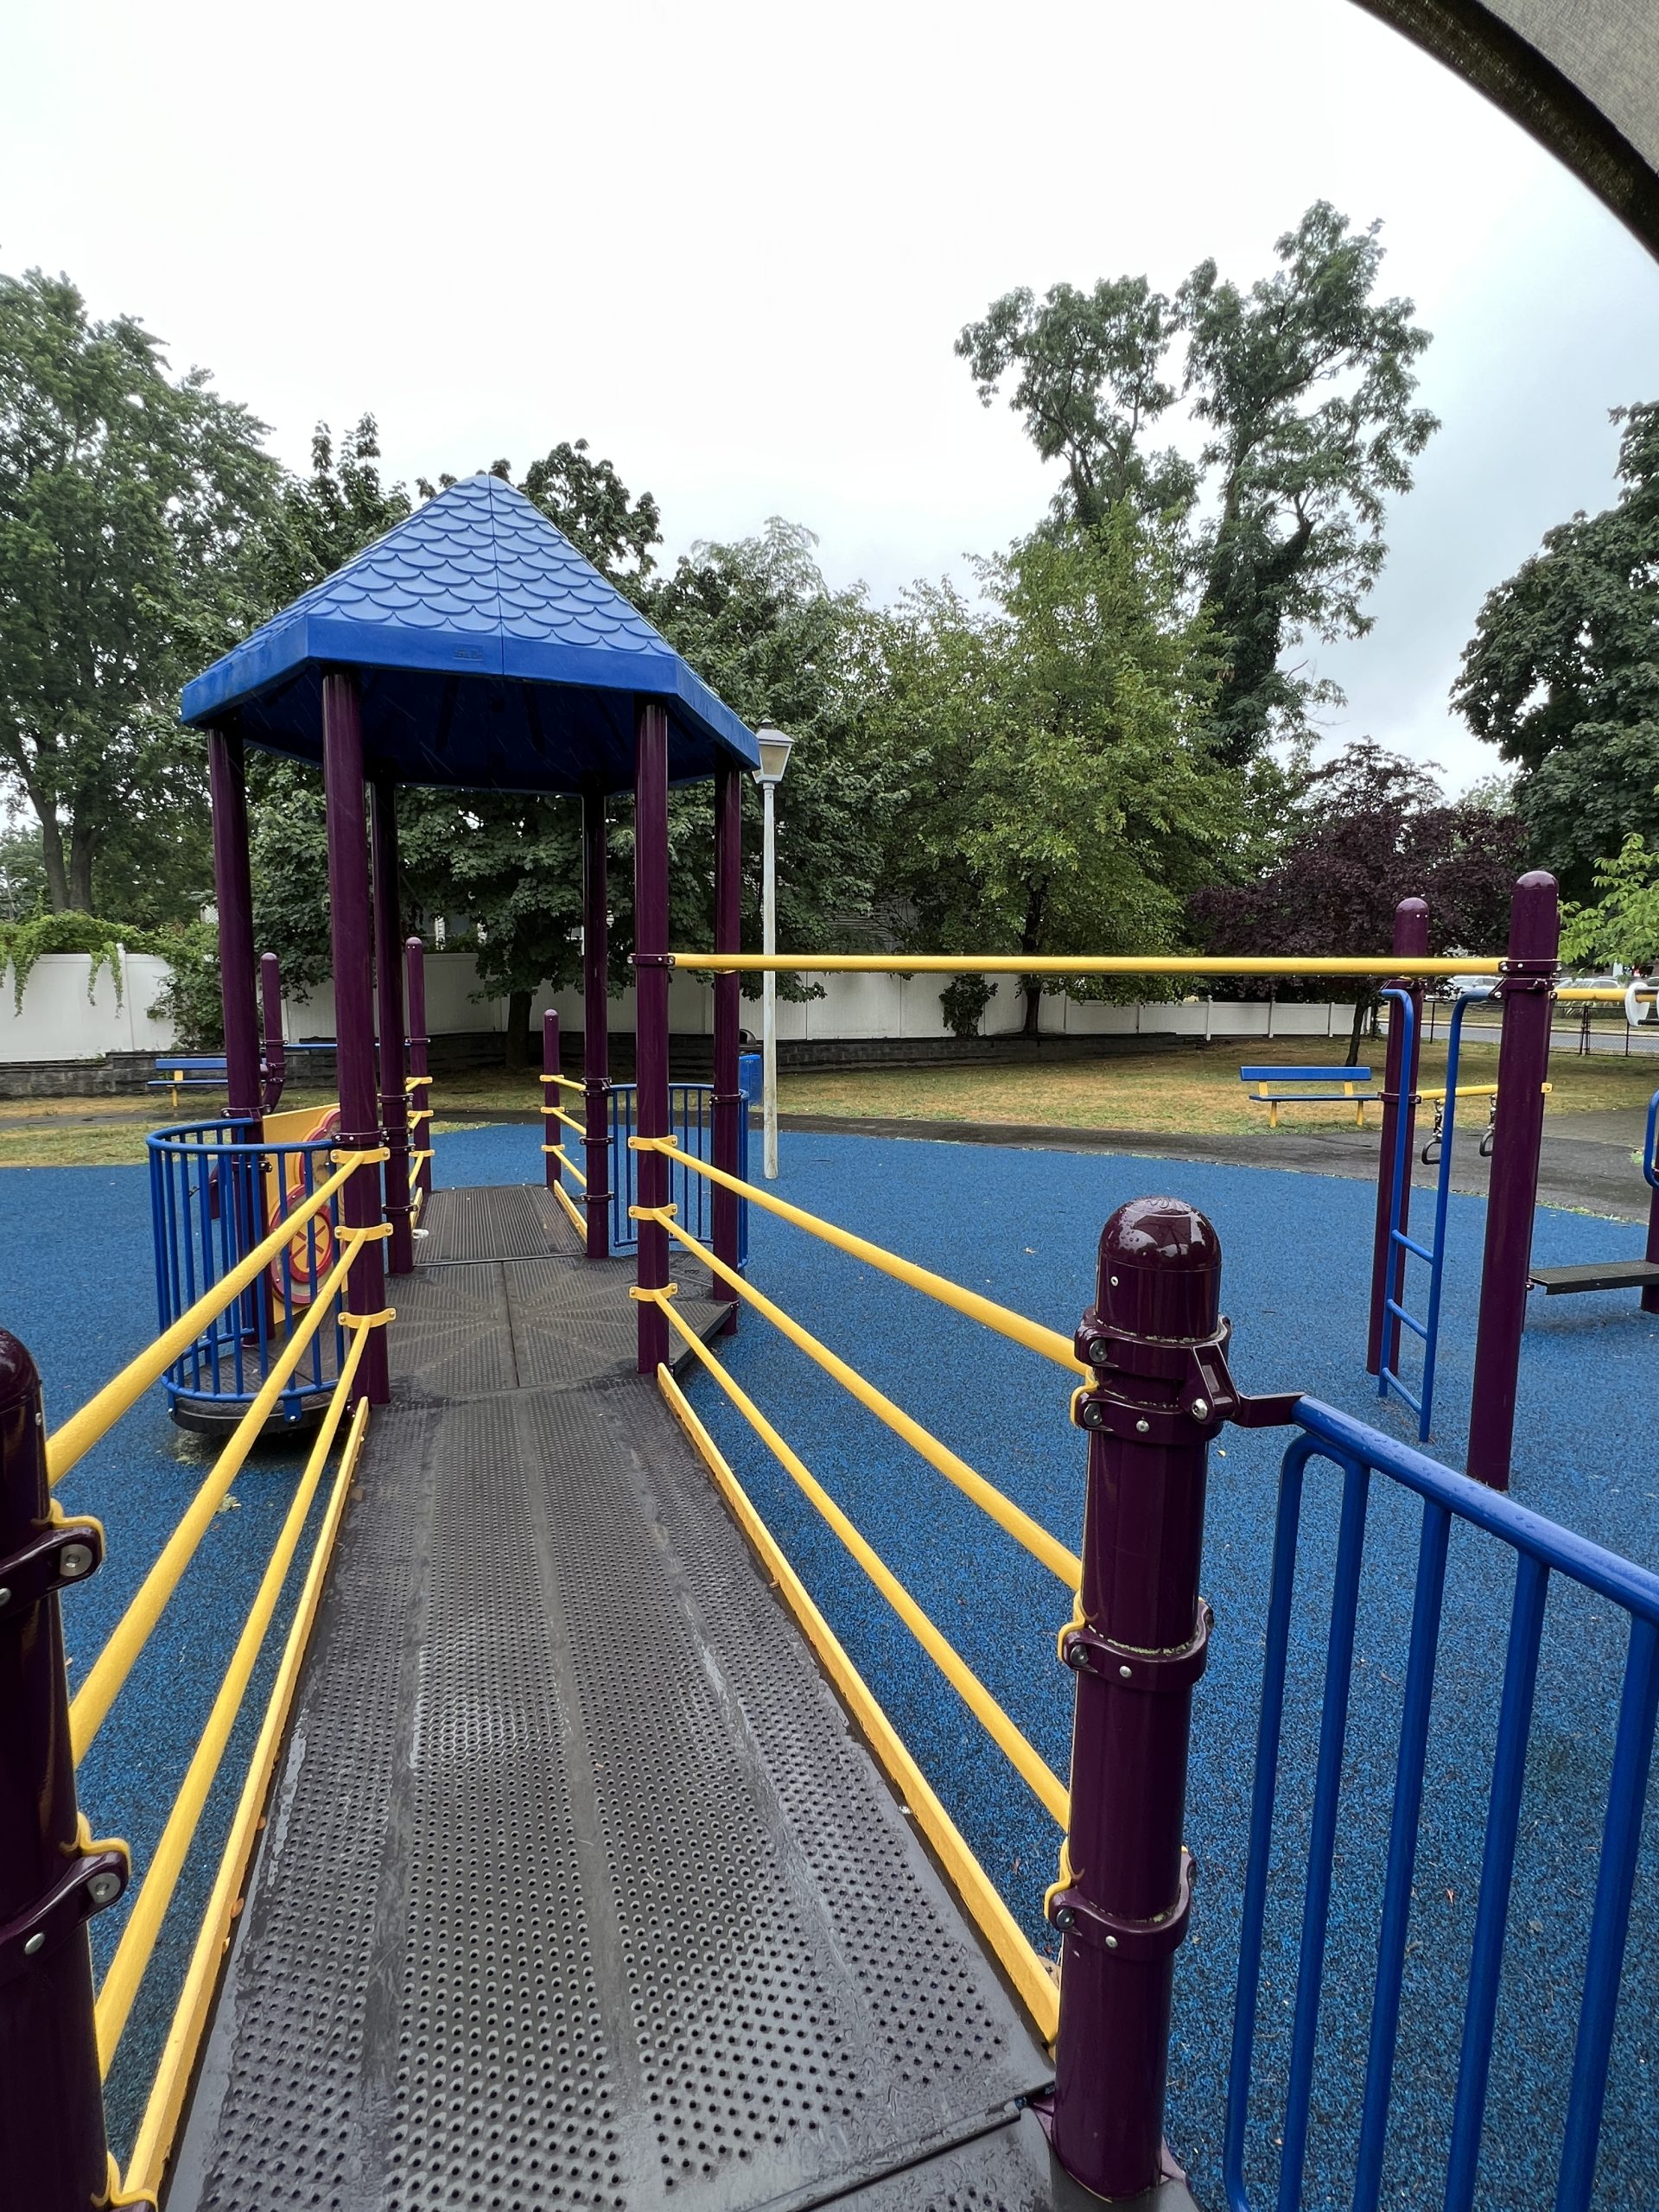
pixel 1541 1549
pixel 1400 1244
pixel 212 1197
pixel 692 1125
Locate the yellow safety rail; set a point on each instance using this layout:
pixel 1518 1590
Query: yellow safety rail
pixel 99 1415
pixel 1028 1972
pixel 938 963
pixel 1008 1516
pixel 1025 1969
pixel 110 1671
pixel 1049 1344
pixel 1039 1778
pixel 565 1082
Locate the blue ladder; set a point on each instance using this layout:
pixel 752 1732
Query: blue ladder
pixel 1432 1254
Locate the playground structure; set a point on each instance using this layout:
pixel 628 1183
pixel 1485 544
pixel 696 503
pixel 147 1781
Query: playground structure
pixel 582 1891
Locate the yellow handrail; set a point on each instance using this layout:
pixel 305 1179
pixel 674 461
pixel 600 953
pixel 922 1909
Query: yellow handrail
pixel 1019 1524
pixel 575 1219
pixel 997 963
pixel 143 1925
pixel 1033 1771
pixel 1025 1969
pixel 99 1415
pixel 558 1152
pixel 553 1114
pixel 564 1082
pixel 1049 1344
pixel 165 2101
pixel 92 1703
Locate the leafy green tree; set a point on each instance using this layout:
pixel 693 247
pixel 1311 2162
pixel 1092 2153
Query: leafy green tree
pixel 1074 800
pixel 1621 926
pixel 126 496
pixel 1303 385
pixel 1562 673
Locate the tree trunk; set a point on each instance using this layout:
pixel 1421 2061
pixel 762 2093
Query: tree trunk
pixel 518 1043
pixel 80 868
pixel 1352 1060
pixel 57 876
pixel 1031 938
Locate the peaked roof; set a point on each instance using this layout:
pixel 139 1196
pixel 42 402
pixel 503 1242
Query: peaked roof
pixel 492 656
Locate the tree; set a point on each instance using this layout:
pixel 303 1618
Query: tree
pixel 1373 828
pixel 1562 673
pixel 1304 386
pixel 1074 802
pixel 1621 926
pixel 126 496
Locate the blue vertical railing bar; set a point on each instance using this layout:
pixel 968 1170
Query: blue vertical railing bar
pixel 1402 1854
pixel 1541 1549
pixel 1322 1839
pixel 1603 1967
pixel 692 1125
pixel 1496 1879
pixel 1264 1789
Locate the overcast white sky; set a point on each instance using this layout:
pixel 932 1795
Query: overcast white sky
pixel 732 242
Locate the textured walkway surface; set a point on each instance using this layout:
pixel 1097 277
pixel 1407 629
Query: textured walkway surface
pixel 577 1888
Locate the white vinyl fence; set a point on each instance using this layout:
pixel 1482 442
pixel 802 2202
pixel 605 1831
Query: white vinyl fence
pixel 65 1016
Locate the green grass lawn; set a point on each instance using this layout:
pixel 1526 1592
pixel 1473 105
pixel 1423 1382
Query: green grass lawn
pixel 1184 1092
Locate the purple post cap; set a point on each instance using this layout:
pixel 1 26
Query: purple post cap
pixel 1159 1270
pixel 19 1377
pixel 1411 928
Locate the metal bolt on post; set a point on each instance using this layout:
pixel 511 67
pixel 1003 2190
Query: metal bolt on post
pixel 1157 1345
pixel 52 2157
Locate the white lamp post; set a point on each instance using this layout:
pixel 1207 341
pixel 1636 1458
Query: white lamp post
pixel 774 758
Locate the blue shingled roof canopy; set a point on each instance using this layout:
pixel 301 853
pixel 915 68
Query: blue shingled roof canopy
pixel 490 654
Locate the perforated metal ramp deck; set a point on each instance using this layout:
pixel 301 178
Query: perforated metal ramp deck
pixel 577 1888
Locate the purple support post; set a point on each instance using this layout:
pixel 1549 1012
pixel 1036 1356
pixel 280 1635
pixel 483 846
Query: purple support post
pixel 53 2156
pixel 1526 985
pixel 1156 1344
pixel 270 1001
pixel 389 988
pixel 729 1097
pixel 596 1024
pixel 415 958
pixel 419 1041
pixel 349 927
pixel 1399 1096
pixel 650 1011
pixel 552 1097
pixel 233 893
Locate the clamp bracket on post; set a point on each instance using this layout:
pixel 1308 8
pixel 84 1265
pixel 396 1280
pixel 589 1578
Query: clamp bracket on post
pixel 92 1882
pixel 1516 976
pixel 1086 1651
pixel 1161 1390
pixel 65 1552
pixel 1071 1913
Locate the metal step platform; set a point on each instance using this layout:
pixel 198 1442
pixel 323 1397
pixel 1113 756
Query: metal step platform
pixel 577 1888
pixel 1603 1274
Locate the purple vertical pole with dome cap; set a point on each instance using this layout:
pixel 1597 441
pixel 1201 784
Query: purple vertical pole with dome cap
pixel 650 1011
pixel 52 2157
pixel 729 1097
pixel 1526 987
pixel 596 1023
pixel 389 991
pixel 349 933
pixel 233 894
pixel 1399 1096
pixel 415 966
pixel 1155 1345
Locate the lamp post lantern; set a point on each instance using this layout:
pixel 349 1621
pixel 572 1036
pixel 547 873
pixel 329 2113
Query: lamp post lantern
pixel 774 758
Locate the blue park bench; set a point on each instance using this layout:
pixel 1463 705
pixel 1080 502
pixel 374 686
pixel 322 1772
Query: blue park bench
pixel 176 1071
pixel 1310 1086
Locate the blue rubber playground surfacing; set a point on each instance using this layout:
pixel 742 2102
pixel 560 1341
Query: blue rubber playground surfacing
pixel 1021 1226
